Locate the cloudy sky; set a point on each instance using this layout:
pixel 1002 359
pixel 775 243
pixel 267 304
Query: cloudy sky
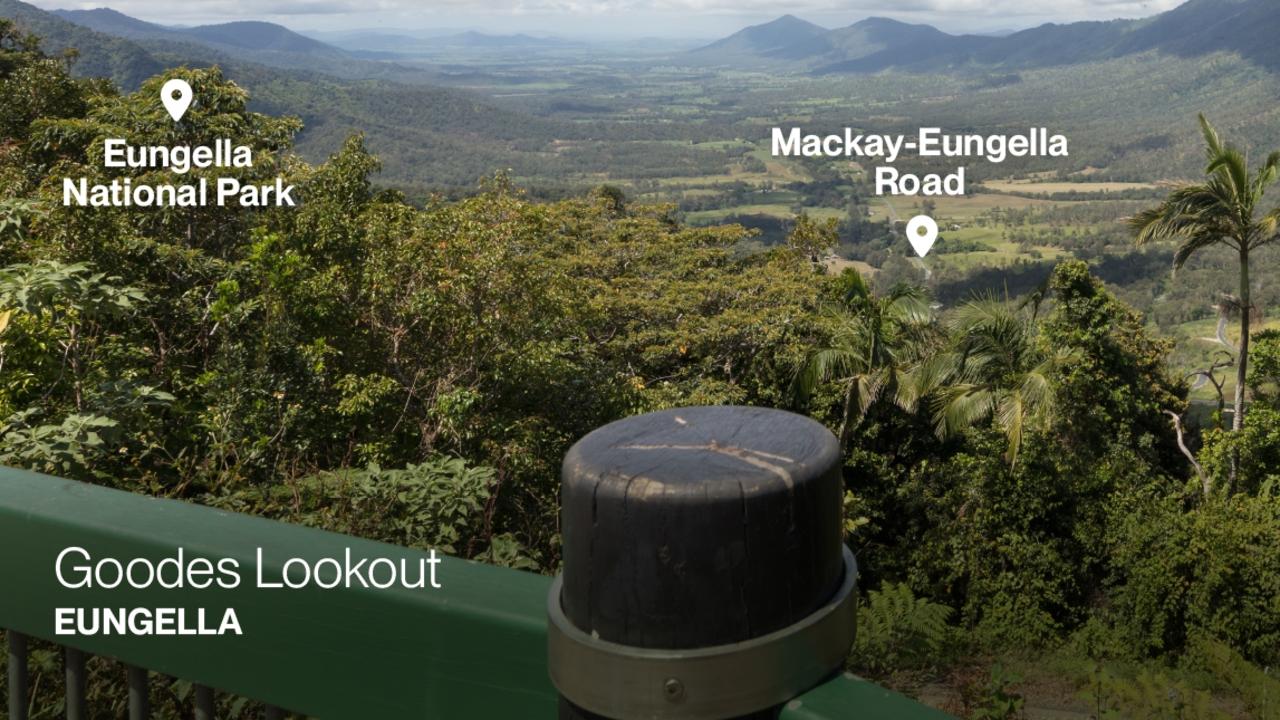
pixel 671 18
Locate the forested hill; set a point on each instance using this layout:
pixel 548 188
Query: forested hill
pixel 100 55
pixel 1197 27
pixel 261 42
pixel 429 137
pixel 246 34
pixel 256 42
pixel 787 38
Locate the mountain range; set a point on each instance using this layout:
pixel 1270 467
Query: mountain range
pixel 261 36
pixel 262 43
pixel 376 44
pixel 419 127
pixel 416 128
pixel 281 47
pixel 1248 28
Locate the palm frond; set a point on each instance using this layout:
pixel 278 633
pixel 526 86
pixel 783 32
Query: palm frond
pixel 907 303
pixel 868 387
pixel 1173 218
pixel 1267 175
pixel 961 406
pixel 1269 228
pixel 859 291
pixel 1191 247
pixel 1232 168
pixel 1037 390
pixel 932 373
pixel 1208 209
pixel 1011 414
pixel 905 392
pixel 822 366
pixel 1212 141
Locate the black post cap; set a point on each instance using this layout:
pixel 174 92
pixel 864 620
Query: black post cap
pixel 700 526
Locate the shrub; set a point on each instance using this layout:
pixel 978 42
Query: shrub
pixel 1257 445
pixel 1149 696
pixel 990 695
pixel 441 503
pixel 1259 689
pixel 1213 570
pixel 898 631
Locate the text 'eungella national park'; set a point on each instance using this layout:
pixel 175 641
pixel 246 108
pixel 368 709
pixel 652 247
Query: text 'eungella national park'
pixel 200 192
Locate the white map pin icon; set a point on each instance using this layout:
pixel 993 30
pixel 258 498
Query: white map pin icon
pixel 176 96
pixel 921 232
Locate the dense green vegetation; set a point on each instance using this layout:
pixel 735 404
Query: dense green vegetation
pixel 414 372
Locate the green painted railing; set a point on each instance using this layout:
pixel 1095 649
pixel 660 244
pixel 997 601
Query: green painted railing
pixel 474 649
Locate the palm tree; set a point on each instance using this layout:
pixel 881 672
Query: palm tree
pixel 874 341
pixel 995 368
pixel 1222 211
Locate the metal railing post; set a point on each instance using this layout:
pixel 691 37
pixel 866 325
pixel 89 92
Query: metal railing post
pixel 73 661
pixel 139 693
pixel 705 577
pixel 204 703
pixel 19 680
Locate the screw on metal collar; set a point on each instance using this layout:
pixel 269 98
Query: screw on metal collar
pixel 631 683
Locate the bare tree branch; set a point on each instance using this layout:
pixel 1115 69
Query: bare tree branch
pixel 1205 483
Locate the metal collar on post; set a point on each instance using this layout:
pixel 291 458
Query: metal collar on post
pixel 631 683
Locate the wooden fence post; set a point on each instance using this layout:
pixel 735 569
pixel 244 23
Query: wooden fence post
pixel 704 573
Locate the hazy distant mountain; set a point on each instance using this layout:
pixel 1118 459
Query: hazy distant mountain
pixel 255 42
pixel 261 36
pixel 876 34
pixel 373 40
pixel 484 40
pixel 267 43
pixel 876 43
pixel 1247 27
pixel 787 38
pixel 110 21
pixel 1053 45
pixel 1197 27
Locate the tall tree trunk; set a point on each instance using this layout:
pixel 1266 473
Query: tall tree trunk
pixel 1242 364
pixel 846 418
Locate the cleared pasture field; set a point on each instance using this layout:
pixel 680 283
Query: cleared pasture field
pixel 778 210
pixel 1005 254
pixel 836 265
pixel 967 207
pixel 1048 188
